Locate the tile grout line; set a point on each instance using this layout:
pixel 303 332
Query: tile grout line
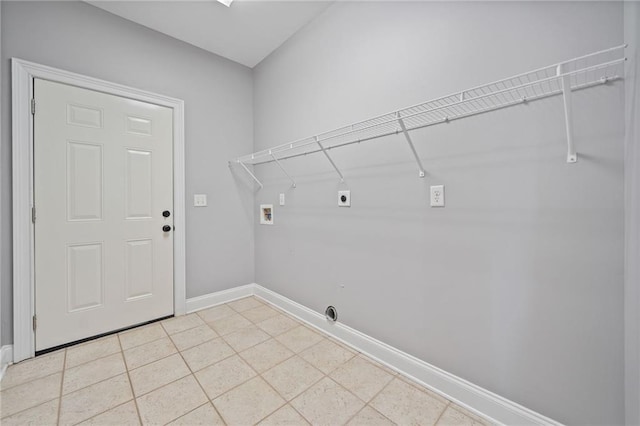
pixel 374 395
pixel 279 334
pixel 126 368
pixel 135 396
pixel 259 375
pixel 353 394
pixel 92 360
pixel 200 385
pixel 258 307
pixel 248 347
pixel 267 319
pixel 109 409
pixel 234 312
pixel 368 404
pixel 353 355
pixel 303 391
pixel 64 368
pixel 191 347
pixel 150 362
pixel 442 413
pixel 32 380
pixel 122 349
pixel 189 412
pixel 30 408
pixel 293 354
pixel 422 389
pixel 358 412
pixel 299 413
pixel 39 404
pixel 182 316
pixel 99 381
pixel 210 401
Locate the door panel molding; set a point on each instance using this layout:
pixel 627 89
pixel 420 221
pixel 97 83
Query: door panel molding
pixel 23 73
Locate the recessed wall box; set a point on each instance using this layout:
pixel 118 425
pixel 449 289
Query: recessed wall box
pixel 266 214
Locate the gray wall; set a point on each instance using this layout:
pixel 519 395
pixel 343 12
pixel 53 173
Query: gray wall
pixel 218 99
pixel 517 284
pixel 632 214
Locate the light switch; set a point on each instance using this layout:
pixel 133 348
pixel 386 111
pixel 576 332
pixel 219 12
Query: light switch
pixel 282 199
pixel 200 200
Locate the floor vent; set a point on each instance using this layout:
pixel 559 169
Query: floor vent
pixel 331 313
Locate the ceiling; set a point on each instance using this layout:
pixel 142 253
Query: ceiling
pixel 246 32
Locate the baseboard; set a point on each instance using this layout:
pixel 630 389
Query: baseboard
pixel 217 298
pixel 6 358
pixel 472 397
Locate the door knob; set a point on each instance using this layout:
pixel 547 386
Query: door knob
pixel 166 213
pixel 166 228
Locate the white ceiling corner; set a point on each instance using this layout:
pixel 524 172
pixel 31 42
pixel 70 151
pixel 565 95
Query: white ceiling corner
pixel 246 32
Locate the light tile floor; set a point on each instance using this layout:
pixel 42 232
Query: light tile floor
pixel 241 363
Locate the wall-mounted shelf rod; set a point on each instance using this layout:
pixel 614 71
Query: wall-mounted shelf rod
pixel 558 79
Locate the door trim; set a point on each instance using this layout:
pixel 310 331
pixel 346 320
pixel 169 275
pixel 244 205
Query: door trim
pixel 22 75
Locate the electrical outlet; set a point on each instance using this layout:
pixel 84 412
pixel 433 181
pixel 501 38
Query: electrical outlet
pixel 200 200
pixel 437 196
pixel 282 199
pixel 344 198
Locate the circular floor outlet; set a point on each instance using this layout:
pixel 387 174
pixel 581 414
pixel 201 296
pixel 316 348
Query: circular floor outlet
pixel 331 313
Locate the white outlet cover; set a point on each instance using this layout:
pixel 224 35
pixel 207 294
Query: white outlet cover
pixel 282 199
pixel 437 196
pixel 347 198
pixel 199 200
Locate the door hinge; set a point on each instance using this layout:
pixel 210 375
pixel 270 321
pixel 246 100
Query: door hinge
pixel 33 214
pixel 35 323
pixel 33 106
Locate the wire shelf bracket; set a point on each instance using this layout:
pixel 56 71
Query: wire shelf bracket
pixel 293 182
pixel 250 173
pixel 413 148
pixel 562 78
pixel 324 151
pixel 572 156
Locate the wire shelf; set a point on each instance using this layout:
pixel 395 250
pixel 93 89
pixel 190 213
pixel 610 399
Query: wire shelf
pixel 560 78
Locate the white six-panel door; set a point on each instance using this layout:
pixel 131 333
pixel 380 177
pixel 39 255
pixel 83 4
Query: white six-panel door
pixel 102 179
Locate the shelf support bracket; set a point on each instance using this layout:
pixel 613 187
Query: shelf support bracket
pixel 413 148
pixel 572 157
pixel 293 182
pixel 250 173
pixel 326 154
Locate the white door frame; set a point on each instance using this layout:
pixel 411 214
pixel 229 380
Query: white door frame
pixel 23 73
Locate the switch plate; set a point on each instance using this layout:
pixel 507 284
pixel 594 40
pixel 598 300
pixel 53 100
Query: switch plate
pixel 282 199
pixel 344 198
pixel 437 196
pixel 200 200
